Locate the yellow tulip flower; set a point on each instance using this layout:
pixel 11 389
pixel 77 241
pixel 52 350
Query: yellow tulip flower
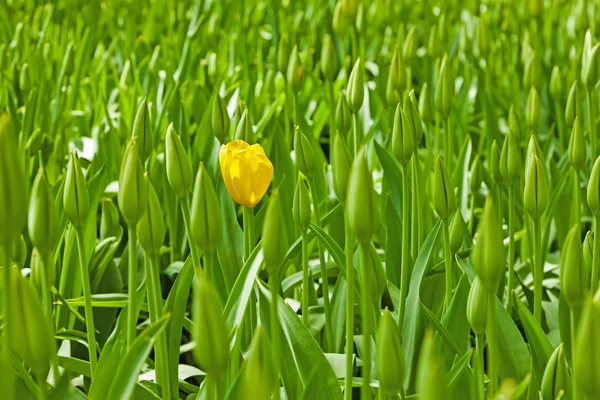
pixel 246 170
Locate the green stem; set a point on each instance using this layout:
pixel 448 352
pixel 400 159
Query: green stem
pixel 491 334
pixel 596 255
pixel 560 120
pixel 538 271
pixel 249 240
pixel 304 279
pixel 448 143
pixel 355 133
pixel 511 246
pixel 87 301
pixel 349 250
pixel 220 388
pixel 591 111
pixel 478 368
pixel 286 115
pixel 296 109
pixel 46 294
pixel 7 251
pixel 574 321
pixel 132 287
pixel 418 197
pixel 274 283
pixel 331 98
pixel 185 209
pixel 405 251
pixel 367 312
pixel 448 262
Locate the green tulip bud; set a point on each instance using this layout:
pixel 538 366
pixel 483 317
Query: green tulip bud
pixel 557 87
pixel 535 196
pixel 350 8
pixel 398 75
pixel 340 167
pixel 532 75
pixel 577 150
pixel 283 55
pixel 274 235
pixel 305 156
pixel 511 163
pixel 574 106
pixel 220 119
pixel 588 253
pixel 409 48
pixel 258 375
pixel 340 21
pixel 151 228
pixel 587 350
pixel 411 109
pixel 372 272
pixel 434 48
pixel 179 166
pixel 301 208
pixel 426 104
pixel 476 175
pixel 210 332
pixel 25 78
pixel 533 149
pixel 483 37
pixel 13 193
pixel 133 191
pixel 43 219
pixel 329 62
pixel 109 222
pixel 444 199
pixel 444 92
pixel 556 379
pixel 244 129
pixel 494 163
pixel 572 280
pixel 488 252
pixel 28 330
pixel 589 68
pixel 477 307
pixel 294 70
pixel 343 118
pixel 76 202
pixel 533 113
pixel 593 192
pixel 389 355
pixel 402 137
pixel 361 20
pixel 356 87
pixel 142 130
pixel 39 271
pixel 205 216
pixel 431 377
pixel 362 210
pixel 457 227
pixel 514 123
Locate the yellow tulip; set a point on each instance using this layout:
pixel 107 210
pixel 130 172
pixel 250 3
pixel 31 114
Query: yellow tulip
pixel 246 170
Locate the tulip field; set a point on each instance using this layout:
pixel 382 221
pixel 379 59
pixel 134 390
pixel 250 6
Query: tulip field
pixel 299 199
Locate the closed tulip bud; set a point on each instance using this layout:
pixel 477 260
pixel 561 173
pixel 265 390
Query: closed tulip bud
pixel 397 76
pixel 39 271
pixel 210 332
pixel 179 166
pixel 340 167
pixel 532 75
pixel 426 104
pixel 588 253
pixel 434 48
pixel 294 70
pixel 329 62
pixel 28 330
pixel 402 137
pixel 361 20
pixel 43 219
pixel 372 271
pixel 483 37
pixel 593 191
pixel 457 227
pixel 109 222
pixel 444 199
pixel 356 87
pixel 142 130
pixel 13 193
pixel 362 210
pixel 511 163
pixel 340 21
pixel 532 111
pixel 133 191
pixel 151 228
pixel 25 78
pixel 556 378
pixel 514 124
pixel 274 235
pixel 494 163
pixel 301 208
pixel 557 86
pixel 574 107
pixel 350 8
pixel 258 374
pixel 389 354
pixel 343 118
pixel 587 350
pixel 577 148
pixel 535 196
pixel 411 109
pixel 205 216
pixel 488 252
pixel 305 156
pixel 244 130
pixel 431 376
pixel 589 68
pixel 391 95
pixel 283 55
pixel 444 92
pixel 76 202
pixel 533 149
pixel 220 119
pixel 409 48
pixel 477 307
pixel 572 279
pixel 476 175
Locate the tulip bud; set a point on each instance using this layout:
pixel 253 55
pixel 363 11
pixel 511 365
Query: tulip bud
pixel 535 196
pixel 409 48
pixel 109 222
pixel 457 227
pixel 477 307
pixel 258 374
pixel 488 252
pixel 350 8
pixel 13 193
pixel 301 208
pixel 556 379
pixel 372 272
pixel 305 156
pixel 205 216
pixel 397 76
pixel 572 280
pixel 142 130
pixel 389 355
pixel 343 118
pixel 244 129
pixel 434 48
pixel 340 22
pixel 577 150
pixel 340 167
pixel 574 106
pixel 294 70
pixel 151 228
pixel 483 37
pixel 476 175
pixel 179 166
pixel 43 219
pixel 426 104
pixel 494 164
pixel 356 87
pixel 593 192
pixel 133 193
pixel 511 163
pixel 444 92
pixel 411 109
pixel 274 235
pixel 76 202
pixel 588 253
pixel 532 75
pixel 533 113
pixel 444 199
pixel 533 149
pixel 362 210
pixel 39 271
pixel 514 124
pixel 220 119
pixel 431 378
pixel 587 350
pixel 25 78
pixel 589 68
pixel 329 62
pixel 402 137
pixel 557 87
pixel 361 19
pixel 283 55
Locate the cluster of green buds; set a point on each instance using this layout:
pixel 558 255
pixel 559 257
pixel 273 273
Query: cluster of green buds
pixel 556 381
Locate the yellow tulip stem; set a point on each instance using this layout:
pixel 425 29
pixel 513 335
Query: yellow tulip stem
pixel 349 250
pixel 324 276
pixel 185 210
pixel 249 240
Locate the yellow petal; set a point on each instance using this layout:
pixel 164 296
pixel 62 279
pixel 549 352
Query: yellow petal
pixel 262 172
pixel 225 156
pixel 241 179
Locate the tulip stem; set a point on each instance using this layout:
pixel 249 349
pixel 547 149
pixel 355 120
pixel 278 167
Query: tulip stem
pixel 185 210
pixel 304 279
pixel 405 250
pixel 491 335
pixel 596 255
pixel 356 144
pixel 367 312
pixel 155 309
pixel 511 246
pixel 248 232
pixel 478 368
pixel 573 338
pixel 448 143
pixel 324 276
pixel 538 271
pixel 417 210
pixel 46 294
pixel 576 199
pixel 6 249
pixel 448 262
pixel 274 283
pixel 331 98
pixel 591 109
pixel 349 250
pixel 87 301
